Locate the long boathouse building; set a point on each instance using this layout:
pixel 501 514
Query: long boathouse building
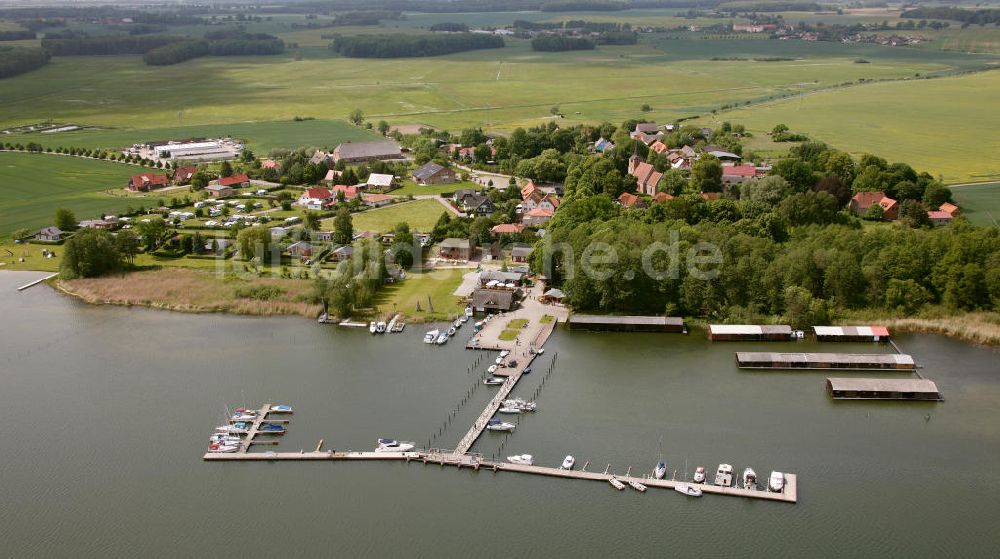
pixel 844 361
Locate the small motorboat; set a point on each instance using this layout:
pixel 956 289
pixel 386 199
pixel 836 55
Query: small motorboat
pixel 699 474
pixel 452 331
pixel 660 470
pixel 457 324
pixel 616 484
pixel 281 408
pixel 272 429
pixel 220 438
pixel 522 459
pixel 504 353
pixel 568 463
pixel 527 370
pixel 464 318
pixel 392 445
pixel 215 447
pixel 689 490
pixel 724 475
pixel 637 486
pixel 499 361
pixel 242 417
pixel 442 338
pixel 478 326
pixel 749 479
pixel 373 327
pixel 497 425
pixel 232 429
pixel 510 410
pixel 492 369
pixel 540 351
pixel 431 337
pixel 380 327
pixel 493 381
pixel 776 482
pixel 519 404
pixel 468 311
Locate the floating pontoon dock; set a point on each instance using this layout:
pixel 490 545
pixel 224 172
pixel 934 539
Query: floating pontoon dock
pixel 842 361
pixel 882 389
pixel 749 332
pixel 627 323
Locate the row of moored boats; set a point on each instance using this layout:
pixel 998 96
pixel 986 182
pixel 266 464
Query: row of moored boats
pixel 229 438
pixel 441 337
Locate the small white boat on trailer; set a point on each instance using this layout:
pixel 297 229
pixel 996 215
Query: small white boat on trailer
pixel 637 486
pixel 616 484
pixel 522 459
pixel 568 463
pixel 689 490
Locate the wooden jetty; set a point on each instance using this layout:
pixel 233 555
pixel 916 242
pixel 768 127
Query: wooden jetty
pixel 883 389
pixel 513 375
pixel 749 332
pixel 627 323
pixel 841 361
pixel 36 282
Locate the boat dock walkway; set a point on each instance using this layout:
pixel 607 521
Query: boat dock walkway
pixel 36 282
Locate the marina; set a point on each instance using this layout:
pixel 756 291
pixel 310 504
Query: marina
pixel 841 361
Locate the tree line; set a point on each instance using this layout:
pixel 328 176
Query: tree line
pixel 18 60
pixel 556 43
pixel 400 46
pixel 973 17
pixel 160 50
pixel 82 45
pixel 17 35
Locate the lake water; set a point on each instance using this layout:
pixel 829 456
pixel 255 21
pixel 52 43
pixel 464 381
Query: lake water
pixel 107 413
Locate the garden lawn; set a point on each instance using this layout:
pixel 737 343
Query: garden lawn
pixel 420 214
pixel 438 285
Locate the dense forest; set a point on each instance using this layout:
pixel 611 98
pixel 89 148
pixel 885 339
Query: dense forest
pixel 556 43
pixel 80 45
pixel 176 52
pixel 17 35
pixel 18 60
pixel 160 50
pixel 972 17
pixel 400 46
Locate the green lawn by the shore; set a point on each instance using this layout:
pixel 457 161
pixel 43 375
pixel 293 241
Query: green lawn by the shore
pixel 439 286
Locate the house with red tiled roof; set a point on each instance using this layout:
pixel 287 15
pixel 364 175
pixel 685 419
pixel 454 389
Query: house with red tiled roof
pixel 630 200
pixel 182 175
pixel 709 195
pixel 939 217
pixel 537 216
pixel 646 176
pixel 270 164
pixel 659 147
pixel 147 181
pixel 737 174
pixel 662 197
pixel 350 192
pixel 377 200
pixel 235 181
pixel 861 201
pixel 314 198
pixel 528 189
pixel 506 229
pixel 950 209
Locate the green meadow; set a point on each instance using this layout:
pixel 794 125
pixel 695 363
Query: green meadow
pixel 420 214
pixel 33 186
pixel 980 203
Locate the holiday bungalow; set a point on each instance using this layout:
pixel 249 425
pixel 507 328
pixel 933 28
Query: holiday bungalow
pixel 147 181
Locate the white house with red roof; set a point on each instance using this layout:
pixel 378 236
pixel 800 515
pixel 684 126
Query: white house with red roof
pixel 314 198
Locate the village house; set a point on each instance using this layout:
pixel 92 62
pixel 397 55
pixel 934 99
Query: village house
pixel 737 174
pixel 478 204
pixel 461 194
pixel 456 249
pixel 183 174
pixel 646 132
pixel 147 181
pixel 536 217
pixel 361 152
pixel 380 181
pixel 270 164
pixel 552 296
pixel 506 229
pixel 950 209
pixel 324 236
pixel 50 233
pixel 645 175
pixel 219 191
pixel 659 147
pixel 333 175
pixel 342 254
pixel 521 253
pixel 501 280
pixel 662 197
pixel 314 198
pixel 350 192
pixel 302 249
pixel 320 157
pixel 493 300
pixel 235 181
pixel 939 217
pixel 861 201
pixel 603 145
pixel 629 200
pixel 278 232
pixel 529 189
pixel 432 173
pixel 377 200
pixel 721 154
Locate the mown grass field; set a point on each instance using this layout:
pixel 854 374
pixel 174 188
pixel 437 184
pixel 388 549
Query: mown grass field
pixel 439 286
pixel 943 126
pixel 980 203
pixel 33 186
pixel 420 214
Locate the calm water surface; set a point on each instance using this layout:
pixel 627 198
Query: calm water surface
pixel 108 411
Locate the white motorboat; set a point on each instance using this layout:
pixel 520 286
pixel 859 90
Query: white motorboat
pixel 616 484
pixel 776 482
pixel 522 459
pixel 660 470
pixel 431 337
pixel 442 338
pixel 637 486
pixel 231 429
pixel 215 447
pixel 242 417
pixel 224 439
pixel 380 327
pixel 452 331
pixel 497 425
pixel 392 445
pixel 699 474
pixel 373 327
pixel 689 490
pixel 724 475
pixel 540 351
pixel 493 381
pixel 499 361
pixel 464 318
pixel 520 404
pixel 457 324
pixel 509 410
pixel 468 311
pixel 504 353
pixel 568 463
pixel 492 369
pixel 749 479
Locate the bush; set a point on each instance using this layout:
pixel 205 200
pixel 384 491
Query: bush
pixel 259 292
